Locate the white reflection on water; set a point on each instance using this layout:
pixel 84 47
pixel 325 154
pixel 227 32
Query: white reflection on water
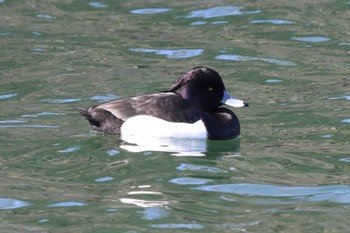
pixel 311 39
pixel 10 203
pixel 220 22
pixel 273 80
pixel 30 126
pixel 346 97
pixel 112 152
pixel 98 4
pixel 177 53
pixel 234 57
pixel 144 203
pixel 218 11
pixel 104 98
pixel 154 213
pixel 189 147
pixel 344 43
pixel 196 23
pixel 150 10
pixel 45 16
pixel 272 21
pixel 61 101
pixel 334 193
pixel 104 179
pixel 7 96
pixel 189 181
pixel 69 150
pixel 67 204
pixel 200 168
pixel 191 226
pixel 43 114
pixel 12 121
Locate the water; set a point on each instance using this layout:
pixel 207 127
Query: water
pixel 288 172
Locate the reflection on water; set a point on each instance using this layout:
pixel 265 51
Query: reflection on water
pixel 219 11
pixel 335 193
pixel 346 97
pixel 272 21
pixel 104 179
pixel 60 101
pixel 273 80
pixel 150 10
pixel 10 203
pixel 234 57
pixel 144 203
pixel 179 53
pixel 45 16
pixel 177 146
pixel 67 204
pixel 7 96
pixel 98 4
pixel 189 226
pixel 167 144
pixel 312 39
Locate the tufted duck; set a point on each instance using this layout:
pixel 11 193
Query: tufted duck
pixel 193 113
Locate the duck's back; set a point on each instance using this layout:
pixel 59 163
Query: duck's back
pixel 168 106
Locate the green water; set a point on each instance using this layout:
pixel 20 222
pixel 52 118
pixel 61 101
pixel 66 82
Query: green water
pixel 288 172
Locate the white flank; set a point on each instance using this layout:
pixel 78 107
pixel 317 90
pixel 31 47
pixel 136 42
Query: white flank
pixel 154 127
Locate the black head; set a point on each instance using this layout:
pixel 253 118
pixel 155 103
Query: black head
pixel 203 86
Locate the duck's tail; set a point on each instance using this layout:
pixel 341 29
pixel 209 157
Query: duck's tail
pixel 101 120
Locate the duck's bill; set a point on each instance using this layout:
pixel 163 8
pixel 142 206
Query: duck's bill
pixel 233 101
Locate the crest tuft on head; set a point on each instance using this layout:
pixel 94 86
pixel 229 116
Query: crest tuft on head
pixel 194 72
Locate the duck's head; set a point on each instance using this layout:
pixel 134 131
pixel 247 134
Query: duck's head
pixel 205 88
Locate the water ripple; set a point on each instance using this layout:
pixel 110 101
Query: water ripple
pixel 67 204
pixel 218 11
pixel 272 21
pixel 112 152
pixel 191 226
pixel 69 150
pixel 61 101
pixel 335 193
pixel 7 96
pixel 30 126
pixel 273 80
pixel 193 167
pixel 104 179
pixel 311 39
pixel 104 98
pixel 150 10
pixel 98 4
pixel 12 121
pixel 43 114
pixel 144 203
pixel 10 203
pixel 179 53
pixel 45 16
pixel 154 213
pixel 189 181
pixel 234 57
pixel 346 97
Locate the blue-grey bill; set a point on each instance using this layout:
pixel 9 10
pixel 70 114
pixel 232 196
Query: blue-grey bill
pixel 233 101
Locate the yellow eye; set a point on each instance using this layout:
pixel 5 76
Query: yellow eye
pixel 210 88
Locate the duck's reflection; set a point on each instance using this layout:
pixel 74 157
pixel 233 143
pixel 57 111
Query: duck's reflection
pixel 178 146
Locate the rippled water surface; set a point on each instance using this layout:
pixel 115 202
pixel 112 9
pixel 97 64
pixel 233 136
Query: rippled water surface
pixel 288 172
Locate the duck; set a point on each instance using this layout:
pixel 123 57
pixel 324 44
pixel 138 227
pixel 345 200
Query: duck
pixel 191 108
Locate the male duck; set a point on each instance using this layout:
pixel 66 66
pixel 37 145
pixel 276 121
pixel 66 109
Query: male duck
pixel 193 113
